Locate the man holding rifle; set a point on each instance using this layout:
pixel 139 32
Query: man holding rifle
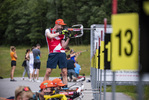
pixel 56 46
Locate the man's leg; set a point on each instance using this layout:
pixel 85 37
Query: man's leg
pixel 64 75
pixel 47 74
pixel 37 73
pixel 68 75
pixel 74 74
pixel 33 74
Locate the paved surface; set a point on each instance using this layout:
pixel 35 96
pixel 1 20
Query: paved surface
pixel 7 88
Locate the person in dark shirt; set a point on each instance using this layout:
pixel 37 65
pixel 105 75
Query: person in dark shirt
pixel 37 62
pixel 70 69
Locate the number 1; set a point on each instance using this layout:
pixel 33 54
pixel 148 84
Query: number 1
pixel 119 36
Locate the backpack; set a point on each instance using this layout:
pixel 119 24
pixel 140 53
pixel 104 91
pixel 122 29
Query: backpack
pixel 24 63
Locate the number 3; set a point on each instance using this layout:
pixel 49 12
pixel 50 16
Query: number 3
pixel 129 42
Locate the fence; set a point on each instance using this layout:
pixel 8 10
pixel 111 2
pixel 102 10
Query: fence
pixel 102 71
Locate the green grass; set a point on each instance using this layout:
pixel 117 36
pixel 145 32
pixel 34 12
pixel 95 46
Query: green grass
pixel 5 60
pixel 131 91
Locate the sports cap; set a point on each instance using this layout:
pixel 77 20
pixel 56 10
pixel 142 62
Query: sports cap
pixel 46 84
pixel 60 22
pixel 58 82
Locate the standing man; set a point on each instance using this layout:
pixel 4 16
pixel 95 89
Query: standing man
pixel 56 45
pixel 37 63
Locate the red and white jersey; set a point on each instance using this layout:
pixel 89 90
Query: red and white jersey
pixel 54 44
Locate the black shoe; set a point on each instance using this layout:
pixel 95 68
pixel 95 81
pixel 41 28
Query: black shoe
pixel 13 80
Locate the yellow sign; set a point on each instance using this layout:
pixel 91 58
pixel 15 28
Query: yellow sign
pixel 102 55
pixel 108 47
pixel 125 41
pixel 96 55
pixel 146 7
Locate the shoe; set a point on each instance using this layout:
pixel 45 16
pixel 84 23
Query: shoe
pixel 22 78
pixel 38 80
pixel 33 80
pixel 30 80
pixel 13 80
pixel 69 80
pixel 74 78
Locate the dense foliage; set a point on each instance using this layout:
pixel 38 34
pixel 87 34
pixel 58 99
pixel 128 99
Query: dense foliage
pixel 23 22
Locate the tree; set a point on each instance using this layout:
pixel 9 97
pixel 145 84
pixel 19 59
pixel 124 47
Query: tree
pixel 23 22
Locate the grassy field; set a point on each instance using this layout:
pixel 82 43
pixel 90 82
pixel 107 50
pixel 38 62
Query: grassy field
pixel 83 59
pixel 131 91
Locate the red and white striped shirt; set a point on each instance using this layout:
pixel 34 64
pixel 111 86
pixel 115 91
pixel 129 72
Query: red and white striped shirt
pixel 54 44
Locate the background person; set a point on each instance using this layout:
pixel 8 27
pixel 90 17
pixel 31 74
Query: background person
pixel 26 68
pixel 23 93
pixel 59 90
pixel 74 55
pixel 31 63
pixel 56 47
pixel 14 57
pixel 37 63
pixel 77 68
pixel 46 88
pixel 67 49
pixel 70 69
pixel 58 84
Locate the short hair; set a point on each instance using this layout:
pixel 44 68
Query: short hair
pixel 67 48
pixel 71 50
pixel 68 56
pixel 37 45
pixel 32 48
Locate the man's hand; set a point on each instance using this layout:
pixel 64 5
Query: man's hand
pixel 69 34
pixel 63 32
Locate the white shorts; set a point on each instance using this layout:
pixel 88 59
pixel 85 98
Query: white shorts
pixel 31 68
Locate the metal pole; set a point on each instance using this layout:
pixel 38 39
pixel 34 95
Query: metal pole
pixel 104 85
pixel 105 26
pixel 100 83
pixel 140 88
pixel 114 11
pixel 113 86
pixel 95 82
pixel 114 7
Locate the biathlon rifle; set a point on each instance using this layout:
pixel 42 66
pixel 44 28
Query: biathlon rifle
pixel 76 30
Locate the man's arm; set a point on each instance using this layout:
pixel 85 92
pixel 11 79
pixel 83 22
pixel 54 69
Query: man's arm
pixel 65 43
pixel 49 35
pixel 39 54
